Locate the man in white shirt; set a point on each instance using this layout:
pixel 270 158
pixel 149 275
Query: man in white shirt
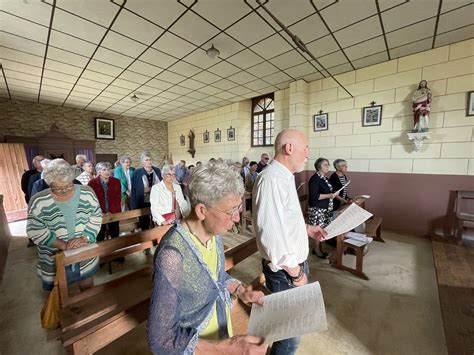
pixel 282 235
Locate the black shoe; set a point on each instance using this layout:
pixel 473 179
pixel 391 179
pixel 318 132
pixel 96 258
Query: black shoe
pixel 321 256
pixel 120 260
pixel 30 244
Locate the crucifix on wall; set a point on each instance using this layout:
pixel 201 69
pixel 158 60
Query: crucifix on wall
pixel 191 137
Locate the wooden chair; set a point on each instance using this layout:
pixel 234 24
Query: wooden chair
pixel 246 215
pixel 464 209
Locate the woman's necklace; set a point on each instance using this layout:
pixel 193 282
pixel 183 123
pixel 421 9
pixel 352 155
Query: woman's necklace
pixel 207 245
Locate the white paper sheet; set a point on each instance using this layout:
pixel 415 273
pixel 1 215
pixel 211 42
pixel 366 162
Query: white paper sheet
pixel 360 237
pixel 350 218
pixel 289 313
pixel 79 250
pixel 342 188
pixel 362 196
pixel 357 243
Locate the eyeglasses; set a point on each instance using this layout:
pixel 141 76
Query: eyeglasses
pixel 170 174
pixel 266 158
pixel 235 212
pixel 62 190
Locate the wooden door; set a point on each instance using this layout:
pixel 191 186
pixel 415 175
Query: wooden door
pixel 12 166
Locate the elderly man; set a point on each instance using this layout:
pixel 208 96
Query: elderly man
pixel 181 172
pixel 262 164
pixel 25 178
pixel 80 160
pixel 282 235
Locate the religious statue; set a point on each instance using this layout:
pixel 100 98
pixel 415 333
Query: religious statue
pixel 191 137
pixel 421 107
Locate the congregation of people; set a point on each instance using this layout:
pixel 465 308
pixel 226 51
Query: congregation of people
pixel 191 297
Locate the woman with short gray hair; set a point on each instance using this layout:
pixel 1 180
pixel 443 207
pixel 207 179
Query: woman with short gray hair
pixel 191 298
pixel 167 200
pixel 142 181
pixel 63 217
pixel 338 179
pixel 88 174
pixel 124 173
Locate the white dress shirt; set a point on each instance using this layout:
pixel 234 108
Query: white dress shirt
pixel 161 200
pixel 277 218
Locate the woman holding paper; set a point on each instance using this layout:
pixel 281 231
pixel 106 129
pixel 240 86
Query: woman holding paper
pixel 191 297
pixel 63 217
pixel 339 181
pixel 320 200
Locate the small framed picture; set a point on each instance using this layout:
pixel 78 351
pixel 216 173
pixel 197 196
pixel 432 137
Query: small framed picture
pixel 320 122
pixel 372 116
pixel 182 140
pixel 205 137
pixel 217 135
pixel 231 134
pixel 470 104
pixel 104 128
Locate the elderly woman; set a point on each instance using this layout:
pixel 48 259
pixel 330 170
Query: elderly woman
pixel 167 200
pixel 142 181
pixel 320 200
pixel 88 174
pixel 65 216
pixel 189 310
pixel 124 173
pixel 338 179
pixel 107 190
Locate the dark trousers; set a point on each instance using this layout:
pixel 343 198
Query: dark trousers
pixel 144 221
pixel 113 229
pixel 277 282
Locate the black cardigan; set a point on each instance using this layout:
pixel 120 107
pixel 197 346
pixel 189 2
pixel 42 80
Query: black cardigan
pixel 336 185
pixel 316 187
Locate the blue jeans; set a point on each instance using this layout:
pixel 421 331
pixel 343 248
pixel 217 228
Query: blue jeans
pixel 277 282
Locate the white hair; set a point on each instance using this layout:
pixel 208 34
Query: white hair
pixel 80 157
pixel 123 158
pixel 102 164
pixel 144 155
pixel 58 170
pixel 166 169
pixel 44 163
pixel 212 182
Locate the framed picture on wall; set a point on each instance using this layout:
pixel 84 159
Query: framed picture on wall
pixel 104 128
pixel 470 104
pixel 205 137
pixel 182 140
pixel 320 122
pixel 231 134
pixel 217 135
pixel 372 116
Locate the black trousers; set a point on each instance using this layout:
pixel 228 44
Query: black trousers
pixel 113 229
pixel 145 221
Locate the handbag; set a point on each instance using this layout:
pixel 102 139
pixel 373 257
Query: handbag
pixel 50 310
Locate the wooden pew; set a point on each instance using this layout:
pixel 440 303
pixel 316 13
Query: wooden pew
pixel 373 227
pixel 5 237
pixel 94 318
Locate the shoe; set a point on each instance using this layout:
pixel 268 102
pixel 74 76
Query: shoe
pixel 147 251
pixel 321 256
pixel 30 244
pixel 120 260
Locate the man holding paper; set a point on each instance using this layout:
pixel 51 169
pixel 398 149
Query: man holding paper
pixel 281 232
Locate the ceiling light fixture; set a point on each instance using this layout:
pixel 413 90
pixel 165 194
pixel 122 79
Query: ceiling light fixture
pixel 134 98
pixel 212 52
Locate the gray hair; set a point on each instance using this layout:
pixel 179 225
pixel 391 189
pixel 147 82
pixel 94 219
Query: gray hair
pixel 337 162
pixel 58 170
pixel 144 155
pixel 81 157
pixel 124 157
pixel 44 163
pixel 102 164
pixel 166 169
pixel 212 182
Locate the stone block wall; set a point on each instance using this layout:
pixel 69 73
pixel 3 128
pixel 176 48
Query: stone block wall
pixel 132 135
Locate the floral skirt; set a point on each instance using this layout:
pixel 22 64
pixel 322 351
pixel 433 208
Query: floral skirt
pixel 320 216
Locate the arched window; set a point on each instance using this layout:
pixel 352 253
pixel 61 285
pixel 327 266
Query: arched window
pixel 263 120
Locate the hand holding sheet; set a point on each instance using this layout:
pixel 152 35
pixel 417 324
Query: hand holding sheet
pixel 347 220
pixel 342 188
pixel 289 313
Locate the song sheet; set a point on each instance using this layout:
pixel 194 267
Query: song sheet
pixel 70 252
pixel 359 236
pixel 350 218
pixel 289 313
pixel 342 188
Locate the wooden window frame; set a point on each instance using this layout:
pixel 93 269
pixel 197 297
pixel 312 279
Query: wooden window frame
pixel 255 101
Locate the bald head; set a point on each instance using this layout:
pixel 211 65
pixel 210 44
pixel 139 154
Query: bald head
pixel 288 136
pixel 291 149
